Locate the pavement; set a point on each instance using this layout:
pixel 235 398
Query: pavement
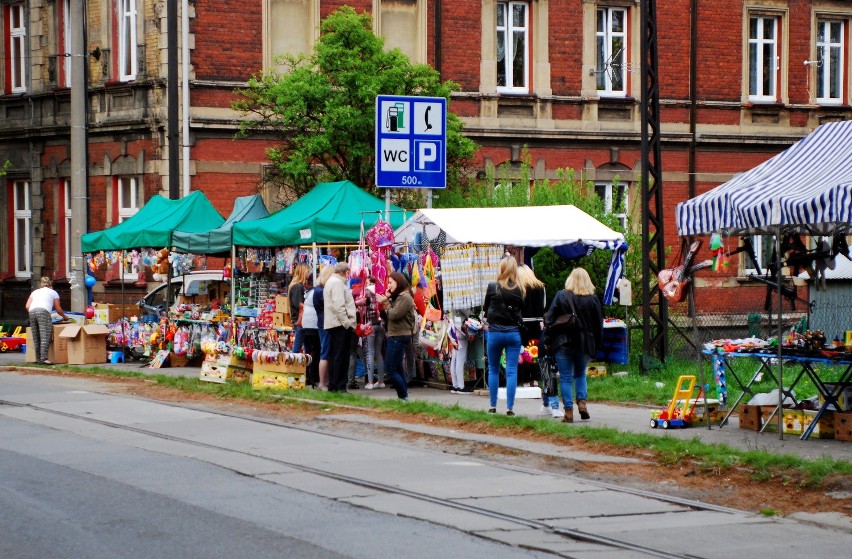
pixel 625 418
pixel 421 476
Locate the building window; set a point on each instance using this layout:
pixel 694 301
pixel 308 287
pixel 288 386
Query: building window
pixel 829 69
pixel 65 243
pixel 614 198
pixel 17 44
pixel 22 237
pixel 763 62
pixel 290 27
pixel 127 40
pixel 512 47
pixel 65 26
pixel 402 24
pixel 611 51
pixel 128 197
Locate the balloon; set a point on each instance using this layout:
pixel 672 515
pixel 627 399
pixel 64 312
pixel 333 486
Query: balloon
pixel 90 281
pixel 90 311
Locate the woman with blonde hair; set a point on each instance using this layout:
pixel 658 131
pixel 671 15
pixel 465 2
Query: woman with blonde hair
pixel 504 301
pixel 573 349
pixel 40 304
pixel 296 296
pixel 533 312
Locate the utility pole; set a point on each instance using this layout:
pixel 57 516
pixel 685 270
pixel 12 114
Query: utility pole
pixel 79 152
pixel 172 98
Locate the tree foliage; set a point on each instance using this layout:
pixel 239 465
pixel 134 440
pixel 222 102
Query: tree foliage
pixel 321 108
pixel 515 187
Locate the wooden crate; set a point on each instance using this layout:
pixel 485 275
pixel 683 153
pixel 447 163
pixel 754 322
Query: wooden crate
pixel 843 426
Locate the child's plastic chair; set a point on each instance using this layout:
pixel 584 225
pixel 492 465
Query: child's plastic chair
pixel 19 332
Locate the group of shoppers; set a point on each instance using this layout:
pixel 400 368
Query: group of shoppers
pixel 517 294
pixel 327 328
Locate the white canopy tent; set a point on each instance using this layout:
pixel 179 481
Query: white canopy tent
pixel 530 226
pixel 524 226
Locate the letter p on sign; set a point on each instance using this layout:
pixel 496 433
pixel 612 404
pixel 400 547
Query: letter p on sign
pixel 428 156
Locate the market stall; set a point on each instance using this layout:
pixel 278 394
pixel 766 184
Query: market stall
pixel 151 226
pixel 475 239
pixel 804 190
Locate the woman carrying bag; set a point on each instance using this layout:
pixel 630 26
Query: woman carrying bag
pixel 574 346
pixel 504 301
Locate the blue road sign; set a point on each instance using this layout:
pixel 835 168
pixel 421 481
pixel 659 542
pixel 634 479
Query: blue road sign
pixel 411 142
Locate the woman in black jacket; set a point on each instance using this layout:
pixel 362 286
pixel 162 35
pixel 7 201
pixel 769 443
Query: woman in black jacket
pixel 574 349
pixel 504 301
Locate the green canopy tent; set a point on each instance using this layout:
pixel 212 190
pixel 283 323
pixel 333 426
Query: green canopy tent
pixel 331 212
pixel 217 242
pixel 153 224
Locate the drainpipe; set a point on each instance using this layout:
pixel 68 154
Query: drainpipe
pixel 693 95
pixel 185 92
pixel 438 36
pixel 172 97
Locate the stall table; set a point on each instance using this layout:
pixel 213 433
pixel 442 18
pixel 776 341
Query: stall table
pixel 830 391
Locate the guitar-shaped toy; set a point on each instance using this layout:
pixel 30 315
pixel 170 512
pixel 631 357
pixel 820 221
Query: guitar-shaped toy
pixel 673 282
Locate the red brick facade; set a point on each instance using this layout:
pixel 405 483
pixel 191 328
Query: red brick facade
pixel 561 120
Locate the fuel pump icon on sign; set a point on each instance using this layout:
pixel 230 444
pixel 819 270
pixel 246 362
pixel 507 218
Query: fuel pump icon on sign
pixel 395 117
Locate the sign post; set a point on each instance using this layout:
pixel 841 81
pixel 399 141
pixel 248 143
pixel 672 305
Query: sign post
pixel 411 142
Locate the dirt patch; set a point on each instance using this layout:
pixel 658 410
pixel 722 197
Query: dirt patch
pixel 735 488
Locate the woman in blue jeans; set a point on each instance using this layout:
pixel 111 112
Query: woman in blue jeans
pixel 573 349
pixel 504 301
pixel 399 305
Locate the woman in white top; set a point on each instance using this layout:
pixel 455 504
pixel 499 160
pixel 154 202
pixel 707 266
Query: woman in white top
pixel 40 304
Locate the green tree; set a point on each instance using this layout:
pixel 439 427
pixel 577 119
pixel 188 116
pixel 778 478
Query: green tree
pixel 321 108
pixel 509 186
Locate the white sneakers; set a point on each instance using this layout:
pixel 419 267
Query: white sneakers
pixel 369 386
pixel 556 412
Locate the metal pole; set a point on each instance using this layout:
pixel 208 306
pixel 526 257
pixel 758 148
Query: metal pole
pixel 185 87
pixel 778 276
pixel 172 98
pixel 79 160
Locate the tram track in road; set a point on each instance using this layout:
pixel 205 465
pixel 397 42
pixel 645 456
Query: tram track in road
pixel 544 527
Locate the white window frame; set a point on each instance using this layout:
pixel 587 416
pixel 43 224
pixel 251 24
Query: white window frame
pixel 608 59
pixel 507 33
pixel 606 191
pixel 66 42
pixel 127 65
pixel 68 223
pixel 23 217
pixel 760 62
pixel 18 47
pixel 127 209
pixel 830 73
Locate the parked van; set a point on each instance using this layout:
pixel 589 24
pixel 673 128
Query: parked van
pixel 205 282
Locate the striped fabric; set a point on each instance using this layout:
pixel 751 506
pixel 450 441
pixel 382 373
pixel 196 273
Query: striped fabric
pixel 807 187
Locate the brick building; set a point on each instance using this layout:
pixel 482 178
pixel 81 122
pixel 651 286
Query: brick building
pixel 557 78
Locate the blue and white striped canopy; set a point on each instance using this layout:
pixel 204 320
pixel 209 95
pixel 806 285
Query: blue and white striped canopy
pixel 807 187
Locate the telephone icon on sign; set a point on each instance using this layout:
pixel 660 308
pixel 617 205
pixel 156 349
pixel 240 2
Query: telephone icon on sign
pixel 426 118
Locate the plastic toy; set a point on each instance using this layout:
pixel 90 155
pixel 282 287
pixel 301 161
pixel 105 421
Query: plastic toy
pixel 11 343
pixel 684 410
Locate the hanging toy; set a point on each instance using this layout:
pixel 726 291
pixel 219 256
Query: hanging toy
pixel 719 252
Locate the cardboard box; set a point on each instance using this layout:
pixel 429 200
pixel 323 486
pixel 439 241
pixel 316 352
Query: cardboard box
pixel 86 344
pixel 844 398
pixel 264 379
pixel 824 428
pixel 794 422
pixel 281 320
pixel 755 417
pixel 176 360
pixel 58 352
pixel 237 370
pixel 211 371
pixel 106 313
pixel 843 426
pixel 282 304
pixel 596 370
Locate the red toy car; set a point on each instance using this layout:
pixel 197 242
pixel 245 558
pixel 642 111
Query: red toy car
pixel 11 343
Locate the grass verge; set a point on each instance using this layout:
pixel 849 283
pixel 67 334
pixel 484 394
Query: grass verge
pixel 709 459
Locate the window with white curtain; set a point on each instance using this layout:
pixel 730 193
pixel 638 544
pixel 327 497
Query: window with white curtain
pixel 512 47
pixel 830 74
pixel 23 217
pixel 611 51
pixel 763 58
pixel 18 48
pixel 127 65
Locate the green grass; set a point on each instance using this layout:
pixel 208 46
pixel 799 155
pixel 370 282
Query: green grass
pixel 710 459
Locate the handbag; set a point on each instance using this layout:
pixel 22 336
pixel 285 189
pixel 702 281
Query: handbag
pixel 568 322
pixel 432 334
pixel 549 383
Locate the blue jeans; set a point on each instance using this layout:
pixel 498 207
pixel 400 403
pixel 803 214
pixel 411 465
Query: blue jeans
pixel 495 344
pixel 394 354
pixel 298 340
pixel 572 365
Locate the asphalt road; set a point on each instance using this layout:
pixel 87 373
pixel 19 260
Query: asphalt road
pixel 88 473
